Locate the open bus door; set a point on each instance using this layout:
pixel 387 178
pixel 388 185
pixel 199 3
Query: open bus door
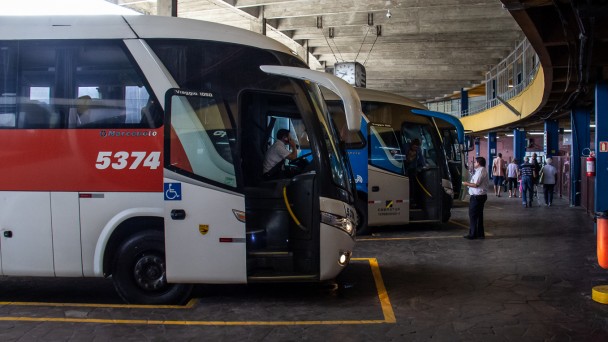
pixel 202 216
pixel 451 132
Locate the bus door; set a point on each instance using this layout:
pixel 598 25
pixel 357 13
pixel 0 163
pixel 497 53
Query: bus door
pixel 281 204
pixel 388 187
pixel 204 213
pixel 451 132
pixel 425 169
pixel 454 155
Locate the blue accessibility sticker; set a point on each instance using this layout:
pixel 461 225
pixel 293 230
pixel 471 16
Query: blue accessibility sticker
pixel 173 191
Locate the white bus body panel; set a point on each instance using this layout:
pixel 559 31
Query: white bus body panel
pixel 66 234
pixel 194 252
pixel 64 27
pixel 334 240
pixel 101 213
pixel 26 217
pixel 390 204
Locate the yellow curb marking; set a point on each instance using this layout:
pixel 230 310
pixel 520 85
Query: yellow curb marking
pixel 387 311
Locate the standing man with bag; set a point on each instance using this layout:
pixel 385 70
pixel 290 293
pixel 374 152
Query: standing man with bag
pixel 499 168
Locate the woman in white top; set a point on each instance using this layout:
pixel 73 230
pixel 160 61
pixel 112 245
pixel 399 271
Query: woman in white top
pixel 478 189
pixel 548 173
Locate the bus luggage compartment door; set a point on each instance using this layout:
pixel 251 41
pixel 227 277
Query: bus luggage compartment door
pixel 388 198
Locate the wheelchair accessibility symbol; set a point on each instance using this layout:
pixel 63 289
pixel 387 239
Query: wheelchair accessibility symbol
pixel 173 191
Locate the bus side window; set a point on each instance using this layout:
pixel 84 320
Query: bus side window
pixel 34 114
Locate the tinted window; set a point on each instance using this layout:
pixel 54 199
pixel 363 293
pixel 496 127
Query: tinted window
pixel 73 84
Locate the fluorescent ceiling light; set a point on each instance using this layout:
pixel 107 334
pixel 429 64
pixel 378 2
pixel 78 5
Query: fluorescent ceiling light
pixel 536 133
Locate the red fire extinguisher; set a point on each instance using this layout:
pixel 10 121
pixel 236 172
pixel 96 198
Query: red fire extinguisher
pixel 591 165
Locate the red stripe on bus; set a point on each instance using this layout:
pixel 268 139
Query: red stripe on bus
pixel 65 159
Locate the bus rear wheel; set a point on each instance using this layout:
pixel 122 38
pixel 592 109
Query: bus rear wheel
pixel 139 274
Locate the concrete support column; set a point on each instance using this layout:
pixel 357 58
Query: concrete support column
pixel 491 150
pixel 579 119
pixel 551 138
pixel 519 145
pixel 464 101
pixel 167 8
pixel 601 147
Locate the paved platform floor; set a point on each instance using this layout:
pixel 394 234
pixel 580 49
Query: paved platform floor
pixel 529 280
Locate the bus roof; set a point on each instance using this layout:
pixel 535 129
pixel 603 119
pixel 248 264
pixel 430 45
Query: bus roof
pixel 378 96
pixel 128 27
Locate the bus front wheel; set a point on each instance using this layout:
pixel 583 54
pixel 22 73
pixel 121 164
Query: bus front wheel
pixel 139 274
pixel 362 227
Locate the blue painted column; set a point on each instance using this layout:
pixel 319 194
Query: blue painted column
pixel 579 119
pixel 519 145
pixel 601 147
pixel 464 101
pixel 551 138
pixel 491 151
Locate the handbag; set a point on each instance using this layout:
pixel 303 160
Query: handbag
pixel 541 178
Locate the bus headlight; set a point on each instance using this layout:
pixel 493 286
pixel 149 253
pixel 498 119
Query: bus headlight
pixel 339 222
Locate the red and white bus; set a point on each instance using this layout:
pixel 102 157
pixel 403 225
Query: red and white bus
pixel 132 147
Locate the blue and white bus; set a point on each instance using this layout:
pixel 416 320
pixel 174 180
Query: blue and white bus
pixel 395 184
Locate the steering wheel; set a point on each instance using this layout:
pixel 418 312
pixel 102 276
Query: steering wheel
pixel 300 159
pixel 299 164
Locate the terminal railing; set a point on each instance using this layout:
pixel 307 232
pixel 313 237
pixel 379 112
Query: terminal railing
pixel 504 81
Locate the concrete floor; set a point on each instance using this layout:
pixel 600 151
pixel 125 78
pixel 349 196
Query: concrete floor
pixel 529 280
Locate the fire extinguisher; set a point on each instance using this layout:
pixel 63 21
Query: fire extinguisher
pixel 591 165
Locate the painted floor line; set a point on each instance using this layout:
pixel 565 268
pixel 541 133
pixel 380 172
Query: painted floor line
pixel 188 305
pixel 385 304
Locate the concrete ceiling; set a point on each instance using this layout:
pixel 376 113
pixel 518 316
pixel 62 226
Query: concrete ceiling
pixel 427 49
pixel 571 40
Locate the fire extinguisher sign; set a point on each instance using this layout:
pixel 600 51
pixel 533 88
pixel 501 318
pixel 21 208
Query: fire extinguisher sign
pixel 603 146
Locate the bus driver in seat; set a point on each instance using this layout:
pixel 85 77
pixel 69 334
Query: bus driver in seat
pixel 277 153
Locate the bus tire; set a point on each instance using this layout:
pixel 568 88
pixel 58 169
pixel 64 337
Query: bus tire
pixel 139 275
pixel 362 227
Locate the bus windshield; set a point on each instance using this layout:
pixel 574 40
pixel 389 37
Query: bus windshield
pixel 339 170
pixel 210 67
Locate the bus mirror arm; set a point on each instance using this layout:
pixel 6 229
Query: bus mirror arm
pixel 346 92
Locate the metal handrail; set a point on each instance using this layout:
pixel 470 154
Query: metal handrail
pixel 507 79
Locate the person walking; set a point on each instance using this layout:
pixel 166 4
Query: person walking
pixel 527 182
pixel 548 179
pixel 536 167
pixel 512 171
pixel 478 189
pixel 499 168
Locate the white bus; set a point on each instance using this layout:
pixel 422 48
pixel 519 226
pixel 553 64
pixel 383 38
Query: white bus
pixel 395 184
pixel 132 147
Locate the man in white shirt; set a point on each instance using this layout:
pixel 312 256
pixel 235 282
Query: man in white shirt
pixel 478 189
pixel 277 153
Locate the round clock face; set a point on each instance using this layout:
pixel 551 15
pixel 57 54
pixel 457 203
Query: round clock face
pixel 345 71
